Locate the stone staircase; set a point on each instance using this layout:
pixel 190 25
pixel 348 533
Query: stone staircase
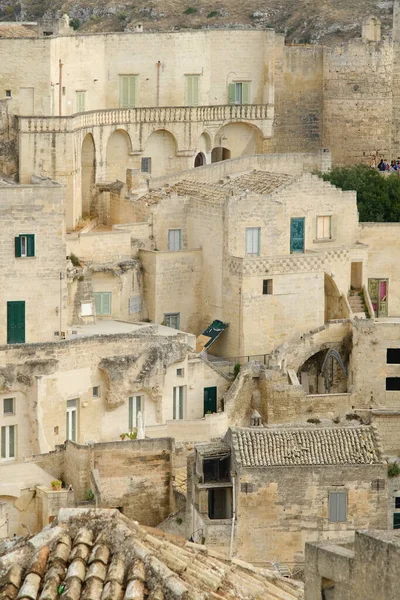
pixel 357 304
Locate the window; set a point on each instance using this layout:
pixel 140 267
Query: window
pixel 25 245
pixel 178 399
pixel 146 164
pixel 397 502
pixel 180 372
pixel 102 301
pixel 174 239
pixel 324 228
pixel 192 90
pixel 337 507
pixel 127 90
pixel 8 442
pixel 136 406
pixel 172 320
pixel 267 286
pixel 8 93
pixel 239 92
pixel 216 469
pixel 80 101
pixel 9 406
pixel 393 356
pixel 392 384
pixel 72 418
pixel 252 241
pixel 396 520
pixel 96 391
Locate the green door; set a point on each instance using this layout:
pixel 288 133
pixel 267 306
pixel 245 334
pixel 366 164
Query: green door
pixel 296 235
pixel 15 322
pixel 210 400
pixel 396 521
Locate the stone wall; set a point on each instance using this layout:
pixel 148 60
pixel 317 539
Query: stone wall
pixel 8 139
pixel 289 507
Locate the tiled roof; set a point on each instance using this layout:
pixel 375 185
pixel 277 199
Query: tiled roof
pixel 260 182
pixel 186 187
pixel 16 30
pixel 268 447
pixel 100 555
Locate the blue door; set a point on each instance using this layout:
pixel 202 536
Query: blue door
pixel 296 235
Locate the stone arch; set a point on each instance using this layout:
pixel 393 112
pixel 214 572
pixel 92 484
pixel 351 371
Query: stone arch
pixel 322 373
pixel 219 153
pixel 240 138
pixel 119 147
pixel 371 29
pixel 199 159
pixel 88 171
pixel 333 300
pixel 161 148
pixel 204 144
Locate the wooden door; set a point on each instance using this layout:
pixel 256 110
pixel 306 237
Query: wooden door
pixel 16 322
pixel 210 400
pixel 297 235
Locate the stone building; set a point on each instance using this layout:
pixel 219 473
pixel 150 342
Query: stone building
pixel 85 108
pixel 265 491
pixel 87 553
pixel 365 570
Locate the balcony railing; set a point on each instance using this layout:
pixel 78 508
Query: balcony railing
pixel 131 116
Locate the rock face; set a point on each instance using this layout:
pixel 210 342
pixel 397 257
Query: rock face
pixel 306 21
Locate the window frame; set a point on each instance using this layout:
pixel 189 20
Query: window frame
pixel 134 412
pixel 324 238
pixel 178 402
pixel 192 96
pixel 72 409
pixel 239 92
pixel 172 242
pixel 80 95
pixel 338 494
pixel 180 372
pixel 145 164
pixel 28 241
pixel 101 296
pixel 6 413
pixel 397 504
pixel 96 394
pixel 268 287
pixel 172 315
pixel 248 230
pixel 130 77
pixel 5 446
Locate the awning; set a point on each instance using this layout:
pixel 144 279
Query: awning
pixel 208 337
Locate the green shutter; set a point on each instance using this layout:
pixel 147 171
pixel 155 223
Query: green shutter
pixel 232 93
pixel 132 91
pixel 130 413
pixel 181 402
pixel 3 442
pixel 189 91
pixel 106 297
pixel 174 403
pixel 246 93
pixel 30 240
pixel 97 302
pixel 123 92
pixel 127 91
pixel 18 247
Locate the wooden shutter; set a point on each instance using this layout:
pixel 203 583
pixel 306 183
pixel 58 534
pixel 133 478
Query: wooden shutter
pixel 130 416
pixel 333 507
pixel 174 403
pixel 106 297
pixel 342 507
pixel 189 90
pixel 132 91
pixel 232 93
pixel 181 402
pixel 124 91
pixel 246 93
pixel 18 247
pixel 3 442
pixel 320 228
pixel 97 302
pixel 30 242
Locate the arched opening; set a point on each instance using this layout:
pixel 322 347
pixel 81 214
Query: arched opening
pixel 88 172
pixel 117 155
pixel 325 372
pixel 219 153
pixel 333 300
pixel 199 160
pixel 371 29
pixel 240 138
pixel 159 154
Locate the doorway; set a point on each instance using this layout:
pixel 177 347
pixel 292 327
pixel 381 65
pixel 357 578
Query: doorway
pixel 378 292
pixel 200 160
pixel 297 235
pixel 16 322
pixel 356 275
pixel 210 400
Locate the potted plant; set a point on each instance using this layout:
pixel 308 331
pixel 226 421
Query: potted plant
pixel 56 484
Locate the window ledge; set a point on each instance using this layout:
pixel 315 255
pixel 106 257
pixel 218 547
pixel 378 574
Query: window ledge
pixel 24 257
pixel 324 240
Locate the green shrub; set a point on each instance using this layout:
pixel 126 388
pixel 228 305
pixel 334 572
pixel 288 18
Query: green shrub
pixel 212 14
pixel 190 11
pixel 74 259
pixel 75 23
pixel 89 496
pixel 353 417
pixel 393 469
pixel 236 370
pixel 122 16
pixel 314 420
pixel 179 521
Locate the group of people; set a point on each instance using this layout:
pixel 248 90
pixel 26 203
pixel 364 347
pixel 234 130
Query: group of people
pixel 384 165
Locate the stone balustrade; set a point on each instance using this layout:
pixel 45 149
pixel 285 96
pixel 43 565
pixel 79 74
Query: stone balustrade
pixel 162 114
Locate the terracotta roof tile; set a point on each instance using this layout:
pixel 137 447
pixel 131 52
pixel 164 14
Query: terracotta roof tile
pixel 266 447
pixel 100 555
